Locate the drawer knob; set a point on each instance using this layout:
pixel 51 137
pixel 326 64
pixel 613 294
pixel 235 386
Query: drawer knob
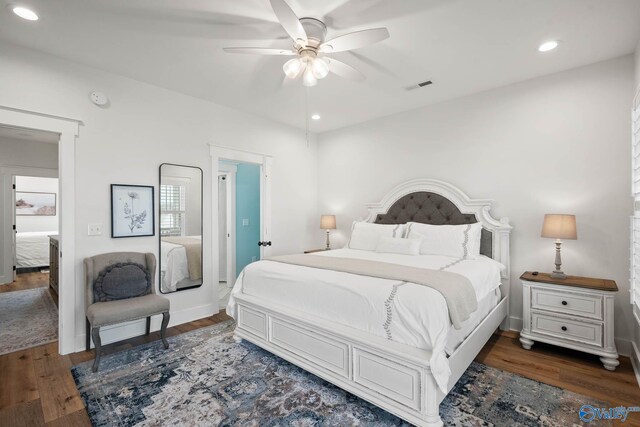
pixel 564 303
pixel 564 328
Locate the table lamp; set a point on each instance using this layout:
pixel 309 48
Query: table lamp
pixel 328 222
pixel 559 226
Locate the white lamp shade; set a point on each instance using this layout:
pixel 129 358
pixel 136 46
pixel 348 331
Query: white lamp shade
pixel 559 226
pixel 328 222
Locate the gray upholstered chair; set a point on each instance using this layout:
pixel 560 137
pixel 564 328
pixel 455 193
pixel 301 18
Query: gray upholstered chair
pixel 120 288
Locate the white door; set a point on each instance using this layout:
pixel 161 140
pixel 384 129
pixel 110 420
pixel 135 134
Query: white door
pixel 13 222
pixel 7 209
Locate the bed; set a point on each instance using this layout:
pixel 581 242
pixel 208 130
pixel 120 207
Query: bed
pixel 32 249
pixel 181 262
pixel 391 343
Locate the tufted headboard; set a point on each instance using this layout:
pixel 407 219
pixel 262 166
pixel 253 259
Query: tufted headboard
pixel 431 201
pixel 432 208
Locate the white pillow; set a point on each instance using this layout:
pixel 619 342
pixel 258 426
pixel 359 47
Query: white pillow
pixel 393 245
pixel 460 241
pixel 365 235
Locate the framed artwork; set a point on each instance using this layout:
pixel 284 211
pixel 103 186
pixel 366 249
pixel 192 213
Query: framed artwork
pixel 35 204
pixel 132 211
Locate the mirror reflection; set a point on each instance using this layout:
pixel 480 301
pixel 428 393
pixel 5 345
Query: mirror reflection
pixel 180 227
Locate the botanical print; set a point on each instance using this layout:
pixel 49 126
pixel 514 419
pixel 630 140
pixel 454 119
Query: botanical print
pixel 37 204
pixel 132 211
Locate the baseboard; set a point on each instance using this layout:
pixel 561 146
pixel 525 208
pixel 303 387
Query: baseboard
pixel 515 323
pixel 123 331
pixel 635 361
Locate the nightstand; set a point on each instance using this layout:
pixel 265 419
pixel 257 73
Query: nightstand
pixel 311 251
pixel 576 313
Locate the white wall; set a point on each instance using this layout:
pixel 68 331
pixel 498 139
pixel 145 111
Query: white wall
pixel 637 64
pixel 33 184
pixel 558 143
pixel 18 152
pixel 143 127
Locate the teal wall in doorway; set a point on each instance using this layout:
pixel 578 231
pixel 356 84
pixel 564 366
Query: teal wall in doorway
pixel 247 209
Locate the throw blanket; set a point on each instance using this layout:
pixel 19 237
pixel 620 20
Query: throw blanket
pixel 193 248
pixel 455 288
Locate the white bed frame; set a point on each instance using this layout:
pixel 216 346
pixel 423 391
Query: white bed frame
pixel 393 376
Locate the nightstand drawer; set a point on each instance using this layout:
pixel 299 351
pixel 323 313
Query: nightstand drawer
pixel 579 331
pixel 575 303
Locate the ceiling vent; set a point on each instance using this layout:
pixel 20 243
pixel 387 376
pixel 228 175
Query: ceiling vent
pixel 419 85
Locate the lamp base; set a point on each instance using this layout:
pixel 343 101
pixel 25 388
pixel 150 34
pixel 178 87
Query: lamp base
pixel 558 275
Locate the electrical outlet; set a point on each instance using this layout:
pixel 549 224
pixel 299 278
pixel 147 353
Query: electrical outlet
pixel 254 259
pixel 245 222
pixel 94 229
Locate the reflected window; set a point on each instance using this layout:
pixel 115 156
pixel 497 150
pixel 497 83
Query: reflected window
pixel 173 210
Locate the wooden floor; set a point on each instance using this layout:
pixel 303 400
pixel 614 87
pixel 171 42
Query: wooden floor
pixel 36 387
pixel 27 281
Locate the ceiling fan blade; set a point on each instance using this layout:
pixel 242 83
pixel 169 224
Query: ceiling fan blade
pixel 289 21
pixel 259 51
pixel 355 40
pixel 343 70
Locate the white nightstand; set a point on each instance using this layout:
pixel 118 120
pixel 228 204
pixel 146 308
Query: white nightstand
pixel 576 313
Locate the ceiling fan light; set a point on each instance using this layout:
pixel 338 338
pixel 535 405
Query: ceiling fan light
pixel 292 68
pixel 308 79
pixel 320 68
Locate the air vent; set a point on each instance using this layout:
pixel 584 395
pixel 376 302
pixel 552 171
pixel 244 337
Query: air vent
pixel 419 85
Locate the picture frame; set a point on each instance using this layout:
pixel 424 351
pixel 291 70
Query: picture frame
pixel 132 211
pixel 35 203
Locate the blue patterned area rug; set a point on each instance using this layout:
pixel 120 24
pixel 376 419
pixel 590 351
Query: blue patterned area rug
pixel 208 379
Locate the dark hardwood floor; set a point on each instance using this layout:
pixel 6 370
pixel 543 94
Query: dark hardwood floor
pixel 36 386
pixel 27 281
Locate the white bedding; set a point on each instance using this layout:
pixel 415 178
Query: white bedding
pixel 417 315
pixel 32 248
pixel 174 265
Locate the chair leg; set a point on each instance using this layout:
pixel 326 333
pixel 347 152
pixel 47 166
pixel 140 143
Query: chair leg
pixel 148 325
pixel 87 334
pixel 163 329
pixel 95 334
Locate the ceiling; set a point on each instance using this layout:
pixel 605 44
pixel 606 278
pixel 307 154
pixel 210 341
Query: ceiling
pixel 463 46
pixel 33 135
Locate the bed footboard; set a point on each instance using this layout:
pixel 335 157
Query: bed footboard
pixel 393 376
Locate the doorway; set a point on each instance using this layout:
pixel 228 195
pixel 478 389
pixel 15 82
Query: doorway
pixel 241 214
pixel 239 225
pixel 67 130
pixel 28 289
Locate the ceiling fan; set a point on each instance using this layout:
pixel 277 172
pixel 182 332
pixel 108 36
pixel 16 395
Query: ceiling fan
pixel 310 48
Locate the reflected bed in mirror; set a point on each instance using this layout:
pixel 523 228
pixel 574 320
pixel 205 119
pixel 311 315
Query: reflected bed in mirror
pixel 180 227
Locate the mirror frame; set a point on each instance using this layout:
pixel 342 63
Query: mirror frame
pixel 160 228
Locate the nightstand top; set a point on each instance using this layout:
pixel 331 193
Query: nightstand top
pixel 311 251
pixel 575 281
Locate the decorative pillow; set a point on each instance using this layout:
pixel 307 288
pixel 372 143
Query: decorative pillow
pixel 120 281
pixel 393 245
pixel 365 235
pixel 459 241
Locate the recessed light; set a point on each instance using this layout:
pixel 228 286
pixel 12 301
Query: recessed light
pixel 547 46
pixel 315 117
pixel 25 13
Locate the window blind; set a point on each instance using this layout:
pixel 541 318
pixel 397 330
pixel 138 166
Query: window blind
pixel 173 210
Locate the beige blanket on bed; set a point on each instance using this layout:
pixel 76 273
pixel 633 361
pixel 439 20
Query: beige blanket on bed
pixel 193 248
pixel 455 288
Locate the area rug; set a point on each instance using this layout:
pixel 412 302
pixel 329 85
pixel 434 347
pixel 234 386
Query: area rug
pixel 27 319
pixel 208 379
